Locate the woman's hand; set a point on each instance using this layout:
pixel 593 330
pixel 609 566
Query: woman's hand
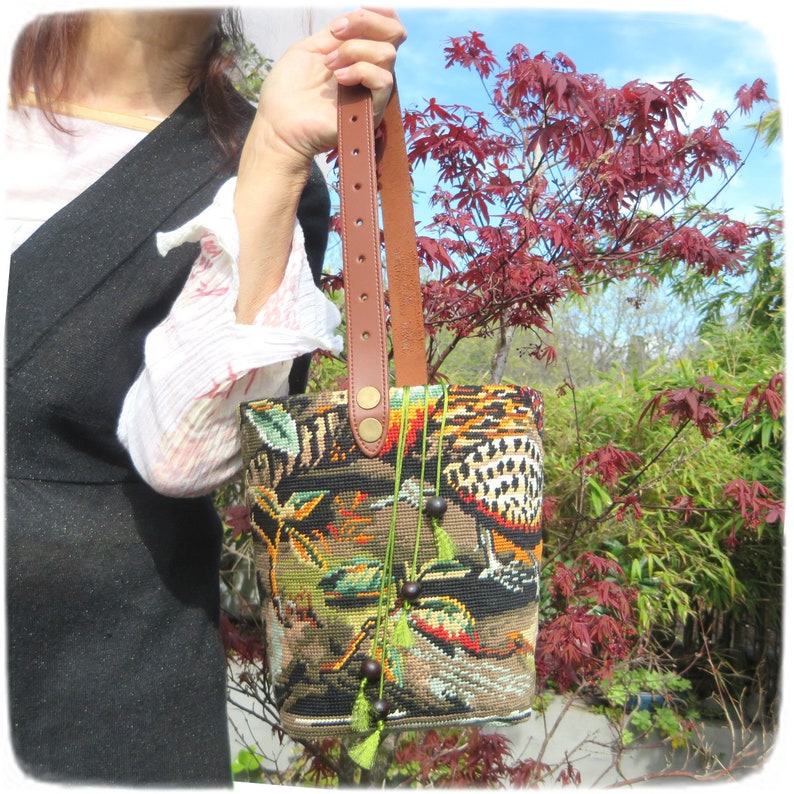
pixel 297 108
pixel 295 121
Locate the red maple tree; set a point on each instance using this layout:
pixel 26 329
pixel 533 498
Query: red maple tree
pixel 563 183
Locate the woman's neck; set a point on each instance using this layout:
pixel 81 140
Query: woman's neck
pixel 139 63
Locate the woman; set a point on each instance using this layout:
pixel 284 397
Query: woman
pixel 130 238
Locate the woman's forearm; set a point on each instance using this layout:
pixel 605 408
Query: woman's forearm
pixel 269 187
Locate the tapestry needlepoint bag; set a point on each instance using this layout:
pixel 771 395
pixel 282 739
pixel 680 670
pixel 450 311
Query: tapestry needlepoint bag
pixel 396 528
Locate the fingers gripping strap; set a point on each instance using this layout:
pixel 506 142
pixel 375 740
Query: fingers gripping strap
pixel 368 379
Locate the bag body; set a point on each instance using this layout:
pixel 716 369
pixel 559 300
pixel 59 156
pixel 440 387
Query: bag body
pixel 338 534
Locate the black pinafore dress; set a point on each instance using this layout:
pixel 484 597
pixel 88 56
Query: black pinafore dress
pixel 115 666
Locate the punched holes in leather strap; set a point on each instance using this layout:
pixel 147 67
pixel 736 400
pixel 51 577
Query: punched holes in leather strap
pixel 366 328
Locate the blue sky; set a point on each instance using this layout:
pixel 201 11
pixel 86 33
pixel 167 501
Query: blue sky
pixel 718 53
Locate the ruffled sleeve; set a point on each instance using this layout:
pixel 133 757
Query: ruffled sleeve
pixel 179 419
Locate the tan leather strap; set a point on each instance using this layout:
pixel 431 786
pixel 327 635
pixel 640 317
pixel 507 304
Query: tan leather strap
pixel 402 261
pixel 368 371
pixel 367 365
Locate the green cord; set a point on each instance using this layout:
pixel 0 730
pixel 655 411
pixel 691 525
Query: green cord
pixel 441 431
pixel 381 625
pixel 364 753
pixel 445 548
pixel 402 636
pixel 415 561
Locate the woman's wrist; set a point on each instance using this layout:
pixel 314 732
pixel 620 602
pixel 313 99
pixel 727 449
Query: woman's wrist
pixel 265 149
pixel 270 181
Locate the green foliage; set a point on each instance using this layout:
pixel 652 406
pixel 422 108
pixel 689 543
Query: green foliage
pixel 628 684
pixel 446 758
pixel 250 72
pixel 247 766
pixel 770 127
pixel 687 498
pixel 673 555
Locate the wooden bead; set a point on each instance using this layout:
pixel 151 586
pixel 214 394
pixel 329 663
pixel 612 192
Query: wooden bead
pixel 411 590
pixel 436 506
pixel 381 708
pixel 371 670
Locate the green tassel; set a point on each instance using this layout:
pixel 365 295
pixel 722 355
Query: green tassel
pixel 364 753
pixel 403 636
pixel 444 544
pixel 361 717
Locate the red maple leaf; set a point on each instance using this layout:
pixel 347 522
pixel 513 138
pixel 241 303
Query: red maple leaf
pixel 768 397
pixel 608 463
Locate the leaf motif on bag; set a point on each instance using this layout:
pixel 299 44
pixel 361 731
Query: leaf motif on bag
pixel 361 577
pixel 275 427
pixel 300 505
pixel 307 550
pixel 267 500
pixel 444 569
pixel 446 619
pixel 353 526
pixel 297 508
pixel 410 492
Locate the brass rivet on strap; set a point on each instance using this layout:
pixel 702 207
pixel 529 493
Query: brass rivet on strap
pixel 368 397
pixel 370 429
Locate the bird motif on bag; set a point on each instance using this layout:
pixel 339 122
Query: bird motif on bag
pixel 495 473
